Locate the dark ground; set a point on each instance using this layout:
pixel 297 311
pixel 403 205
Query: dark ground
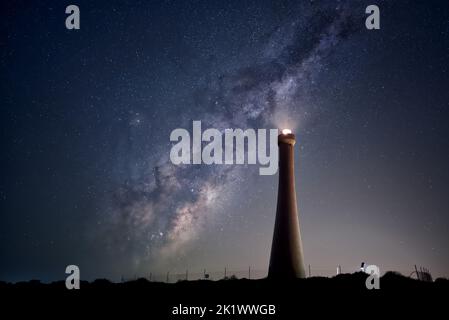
pixel 342 295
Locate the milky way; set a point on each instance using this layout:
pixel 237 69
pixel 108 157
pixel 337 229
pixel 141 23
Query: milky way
pixel 158 216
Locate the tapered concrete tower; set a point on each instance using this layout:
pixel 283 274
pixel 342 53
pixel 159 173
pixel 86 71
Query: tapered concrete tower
pixel 286 259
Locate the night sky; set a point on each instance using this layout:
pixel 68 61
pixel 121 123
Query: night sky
pixel 86 117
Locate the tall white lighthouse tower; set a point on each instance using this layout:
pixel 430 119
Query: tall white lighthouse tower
pixel 286 259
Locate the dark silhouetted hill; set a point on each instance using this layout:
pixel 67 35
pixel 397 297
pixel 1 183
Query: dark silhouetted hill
pixel 323 296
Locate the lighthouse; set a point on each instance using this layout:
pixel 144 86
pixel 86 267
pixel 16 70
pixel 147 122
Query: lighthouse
pixel 286 260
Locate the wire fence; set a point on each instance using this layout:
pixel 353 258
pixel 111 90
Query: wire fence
pixel 250 273
pixel 205 274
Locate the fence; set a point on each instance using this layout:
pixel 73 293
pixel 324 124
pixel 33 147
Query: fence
pixel 422 274
pixel 250 273
pixel 205 274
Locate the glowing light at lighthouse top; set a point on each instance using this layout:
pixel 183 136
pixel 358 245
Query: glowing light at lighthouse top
pixel 286 131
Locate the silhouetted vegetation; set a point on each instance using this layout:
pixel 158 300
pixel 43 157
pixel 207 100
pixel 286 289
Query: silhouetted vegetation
pixel 157 298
